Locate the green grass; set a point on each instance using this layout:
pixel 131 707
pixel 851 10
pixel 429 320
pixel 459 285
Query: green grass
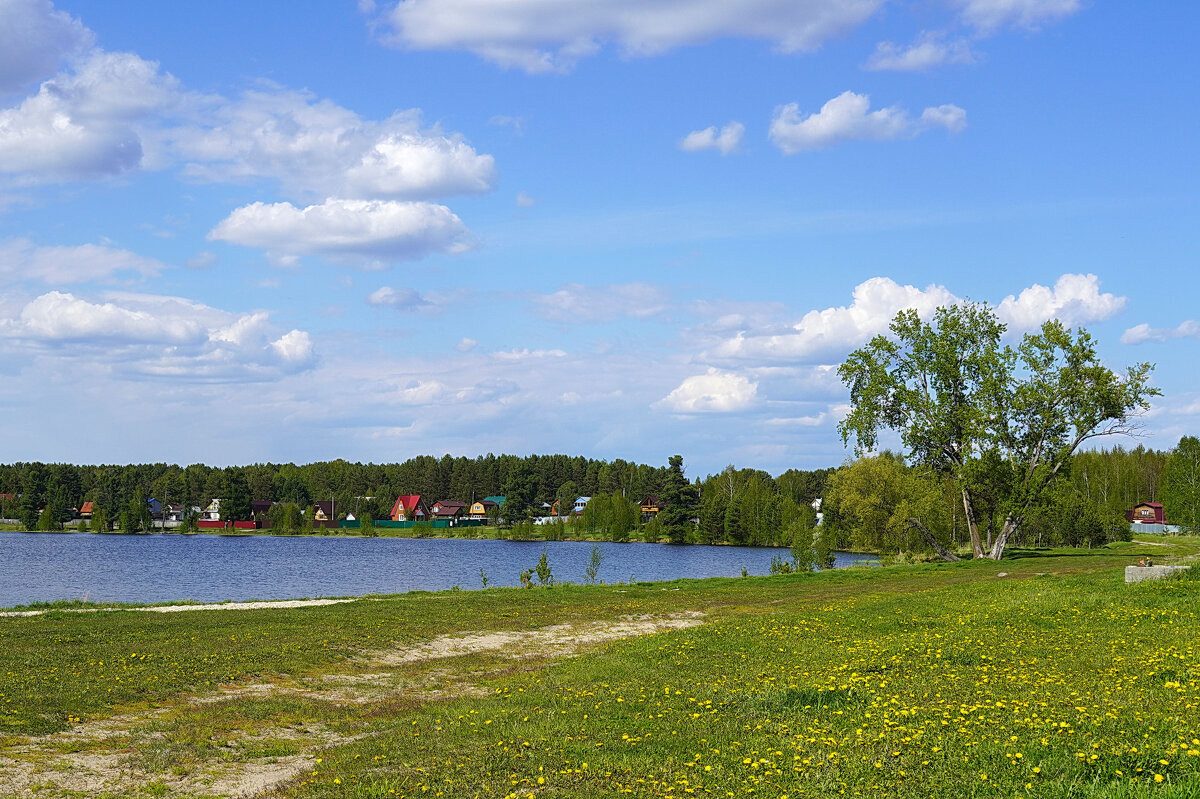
pixel 902 681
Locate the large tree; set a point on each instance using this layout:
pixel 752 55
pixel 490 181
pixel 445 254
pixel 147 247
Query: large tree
pixel 1001 423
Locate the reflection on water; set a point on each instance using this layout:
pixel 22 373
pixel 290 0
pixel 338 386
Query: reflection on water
pixel 208 568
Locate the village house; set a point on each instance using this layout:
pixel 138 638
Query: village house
pixel 324 514
pixel 448 509
pixel 1146 513
pixel 410 508
pixel 651 506
pixel 479 510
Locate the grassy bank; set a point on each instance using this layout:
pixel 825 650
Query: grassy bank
pixel 1055 679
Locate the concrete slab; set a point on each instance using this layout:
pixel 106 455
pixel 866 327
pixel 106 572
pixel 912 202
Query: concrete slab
pixel 1136 574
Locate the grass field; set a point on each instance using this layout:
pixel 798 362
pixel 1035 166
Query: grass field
pixel 1055 679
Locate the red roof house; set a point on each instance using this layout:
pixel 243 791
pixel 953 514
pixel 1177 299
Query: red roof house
pixel 1147 513
pixel 410 508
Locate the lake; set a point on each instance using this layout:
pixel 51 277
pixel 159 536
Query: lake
pixel 42 567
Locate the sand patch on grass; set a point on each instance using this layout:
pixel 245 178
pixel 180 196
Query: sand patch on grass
pixel 556 640
pixel 108 756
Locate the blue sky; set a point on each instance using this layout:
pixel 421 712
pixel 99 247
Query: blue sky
pixel 618 228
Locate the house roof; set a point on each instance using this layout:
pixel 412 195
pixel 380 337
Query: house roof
pixel 584 500
pixel 650 499
pixel 444 507
pixel 86 508
pixel 405 503
pixel 1148 505
pixel 497 500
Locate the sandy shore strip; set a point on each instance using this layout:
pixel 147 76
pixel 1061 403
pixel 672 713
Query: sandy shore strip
pixel 267 604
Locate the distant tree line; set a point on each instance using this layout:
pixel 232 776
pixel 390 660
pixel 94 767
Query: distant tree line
pixel 736 506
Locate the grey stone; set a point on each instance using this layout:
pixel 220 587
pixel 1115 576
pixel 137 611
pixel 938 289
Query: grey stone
pixel 1135 574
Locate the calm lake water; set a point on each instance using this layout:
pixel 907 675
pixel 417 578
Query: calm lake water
pixel 209 568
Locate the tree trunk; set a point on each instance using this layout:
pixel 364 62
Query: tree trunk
pixel 942 552
pixel 1010 527
pixel 972 525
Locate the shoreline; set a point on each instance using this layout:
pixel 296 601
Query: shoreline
pixel 268 533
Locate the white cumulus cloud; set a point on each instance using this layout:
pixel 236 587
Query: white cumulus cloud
pixel 726 139
pixel 316 147
pixel 833 331
pixel 22 260
pixel 1140 334
pixel 34 40
pixel 1074 299
pixel 87 123
pixel 145 335
pixel 540 36
pixel 848 117
pixel 370 230
pixel 715 391
pixel 402 299
pixel 930 50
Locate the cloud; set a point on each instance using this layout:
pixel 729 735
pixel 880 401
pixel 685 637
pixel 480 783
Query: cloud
pixel 34 41
pixel 525 201
pixel 109 113
pixel 466 344
pixel 401 299
pixel 929 51
pixel 727 139
pixel 1075 299
pixel 21 260
pixel 85 124
pixel 316 147
pixel 1140 334
pixel 358 230
pixel 577 303
pixel 847 118
pixel 144 335
pixel 712 392
pixel 833 331
pixel 989 15
pixel 537 36
pixel 524 354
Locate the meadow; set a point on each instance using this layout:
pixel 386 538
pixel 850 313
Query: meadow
pixel 1041 675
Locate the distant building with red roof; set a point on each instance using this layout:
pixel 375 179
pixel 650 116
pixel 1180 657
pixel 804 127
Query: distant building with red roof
pixel 1147 513
pixel 410 508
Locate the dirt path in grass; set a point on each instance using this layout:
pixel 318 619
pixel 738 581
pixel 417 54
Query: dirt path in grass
pixel 123 754
pixel 263 605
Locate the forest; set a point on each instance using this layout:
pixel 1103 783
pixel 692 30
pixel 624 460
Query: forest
pixel 865 502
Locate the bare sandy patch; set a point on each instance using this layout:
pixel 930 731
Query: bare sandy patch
pixel 553 641
pixel 262 605
pixel 101 756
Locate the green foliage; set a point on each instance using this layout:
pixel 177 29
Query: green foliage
pixel 680 500
pixel 593 567
pixel 1181 484
pixel 235 497
pixel 999 422
pixel 47 520
pixel 366 526
pixel 286 518
pixel 1072 520
pixel 545 578
pixel 652 531
pixel 872 501
pixel 483 578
